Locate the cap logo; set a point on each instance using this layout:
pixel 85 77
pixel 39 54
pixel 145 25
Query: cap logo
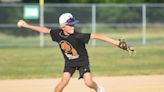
pixel 70 20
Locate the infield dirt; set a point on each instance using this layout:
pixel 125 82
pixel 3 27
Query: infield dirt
pixel 153 83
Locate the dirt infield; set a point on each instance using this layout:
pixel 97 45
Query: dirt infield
pixel 111 84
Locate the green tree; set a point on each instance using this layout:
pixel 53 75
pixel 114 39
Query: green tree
pixel 153 1
pixel 96 1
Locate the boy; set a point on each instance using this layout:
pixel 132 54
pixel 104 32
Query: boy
pixel 72 45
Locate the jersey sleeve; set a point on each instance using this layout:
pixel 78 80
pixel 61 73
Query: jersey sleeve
pixel 84 37
pixel 54 33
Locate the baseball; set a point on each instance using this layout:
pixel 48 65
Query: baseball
pixel 20 23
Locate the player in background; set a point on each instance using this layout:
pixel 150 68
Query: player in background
pixel 72 45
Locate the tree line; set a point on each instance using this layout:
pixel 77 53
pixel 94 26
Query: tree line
pixel 112 15
pixel 96 1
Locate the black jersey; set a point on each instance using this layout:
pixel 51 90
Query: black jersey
pixel 72 46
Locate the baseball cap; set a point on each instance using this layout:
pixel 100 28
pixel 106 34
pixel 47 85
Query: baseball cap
pixel 68 19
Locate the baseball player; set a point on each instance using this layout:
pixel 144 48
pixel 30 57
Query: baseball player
pixel 72 45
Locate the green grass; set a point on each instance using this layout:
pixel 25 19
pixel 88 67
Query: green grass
pixel 18 63
pixel 132 35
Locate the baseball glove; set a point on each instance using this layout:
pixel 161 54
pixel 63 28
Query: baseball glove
pixel 123 45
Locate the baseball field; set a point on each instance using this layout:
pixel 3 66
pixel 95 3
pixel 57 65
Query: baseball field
pixel 20 63
pixel 26 66
pixel 39 69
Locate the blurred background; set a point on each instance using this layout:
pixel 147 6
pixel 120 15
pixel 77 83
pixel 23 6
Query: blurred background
pixel 139 22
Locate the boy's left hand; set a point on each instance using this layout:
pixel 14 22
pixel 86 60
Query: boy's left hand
pixel 123 45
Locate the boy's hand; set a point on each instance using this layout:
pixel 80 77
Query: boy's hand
pixel 123 45
pixel 21 23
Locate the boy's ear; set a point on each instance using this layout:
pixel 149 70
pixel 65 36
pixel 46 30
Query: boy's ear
pixel 62 25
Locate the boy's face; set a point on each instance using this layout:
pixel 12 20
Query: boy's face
pixel 69 29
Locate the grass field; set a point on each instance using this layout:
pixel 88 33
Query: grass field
pixel 19 63
pixel 132 35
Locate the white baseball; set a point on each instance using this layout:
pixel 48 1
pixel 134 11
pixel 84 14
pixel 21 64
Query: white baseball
pixel 21 23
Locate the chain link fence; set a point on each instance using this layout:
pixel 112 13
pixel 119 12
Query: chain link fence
pixel 139 24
